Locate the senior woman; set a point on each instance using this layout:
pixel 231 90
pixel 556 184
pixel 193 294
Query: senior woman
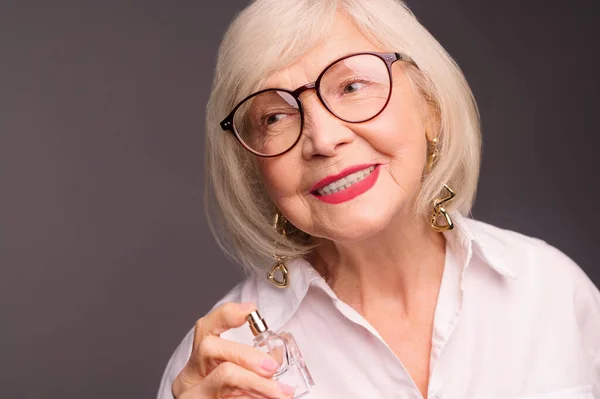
pixel 346 123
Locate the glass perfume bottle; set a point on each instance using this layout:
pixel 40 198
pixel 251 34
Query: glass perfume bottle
pixel 283 348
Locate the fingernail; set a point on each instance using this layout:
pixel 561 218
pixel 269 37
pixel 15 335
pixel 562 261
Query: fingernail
pixel 269 364
pixel 285 388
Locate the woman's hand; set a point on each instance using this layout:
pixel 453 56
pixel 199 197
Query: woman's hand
pixel 219 368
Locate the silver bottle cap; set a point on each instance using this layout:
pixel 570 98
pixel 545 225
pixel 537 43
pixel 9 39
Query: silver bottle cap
pixel 257 324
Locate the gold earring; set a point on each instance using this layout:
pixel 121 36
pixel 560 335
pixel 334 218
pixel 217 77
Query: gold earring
pixel 279 266
pixel 432 152
pixel 438 209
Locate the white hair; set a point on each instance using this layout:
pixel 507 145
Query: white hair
pixel 271 34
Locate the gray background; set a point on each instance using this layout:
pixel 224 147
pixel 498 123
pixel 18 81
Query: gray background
pixel 106 260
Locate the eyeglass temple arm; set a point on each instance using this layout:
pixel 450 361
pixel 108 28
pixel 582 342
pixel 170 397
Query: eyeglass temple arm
pixel 226 124
pixel 404 57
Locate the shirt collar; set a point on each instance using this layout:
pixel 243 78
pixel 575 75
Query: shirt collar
pixel 476 237
pixel 278 305
pixel 468 238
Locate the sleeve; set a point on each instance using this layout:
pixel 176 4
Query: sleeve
pixel 584 297
pixel 587 307
pixel 596 377
pixel 178 359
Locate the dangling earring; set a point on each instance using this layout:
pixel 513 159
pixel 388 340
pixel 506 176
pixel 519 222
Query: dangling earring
pixel 279 266
pixel 438 209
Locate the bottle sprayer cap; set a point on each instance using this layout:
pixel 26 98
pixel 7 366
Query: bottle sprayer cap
pixel 257 324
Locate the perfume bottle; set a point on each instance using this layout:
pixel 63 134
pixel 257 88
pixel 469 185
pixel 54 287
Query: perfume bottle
pixel 282 347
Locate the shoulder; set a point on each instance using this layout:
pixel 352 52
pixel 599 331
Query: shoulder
pixel 544 276
pixel 526 256
pixel 245 291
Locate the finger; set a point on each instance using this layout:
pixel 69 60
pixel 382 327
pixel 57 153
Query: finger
pixel 228 315
pixel 229 377
pixel 224 317
pixel 197 392
pixel 213 351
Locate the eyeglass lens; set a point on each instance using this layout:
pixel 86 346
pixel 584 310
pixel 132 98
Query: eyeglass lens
pixel 354 89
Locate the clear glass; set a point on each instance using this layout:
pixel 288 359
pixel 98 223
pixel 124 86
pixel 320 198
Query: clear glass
pixel 268 122
pixel 292 369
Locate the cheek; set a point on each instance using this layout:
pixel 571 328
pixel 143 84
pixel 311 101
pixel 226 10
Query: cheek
pixel 396 135
pixel 403 131
pixel 281 180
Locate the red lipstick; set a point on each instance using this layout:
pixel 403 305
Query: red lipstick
pixel 351 192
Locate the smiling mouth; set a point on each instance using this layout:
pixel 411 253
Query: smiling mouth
pixel 345 182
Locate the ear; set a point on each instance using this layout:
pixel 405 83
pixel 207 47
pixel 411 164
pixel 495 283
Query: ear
pixel 431 128
pixel 431 120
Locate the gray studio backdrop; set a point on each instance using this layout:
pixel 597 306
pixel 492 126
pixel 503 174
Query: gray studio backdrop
pixel 106 260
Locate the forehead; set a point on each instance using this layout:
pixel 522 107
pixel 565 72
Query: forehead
pixel 343 38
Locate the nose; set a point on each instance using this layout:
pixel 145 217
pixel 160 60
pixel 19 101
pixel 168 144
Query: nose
pixel 324 134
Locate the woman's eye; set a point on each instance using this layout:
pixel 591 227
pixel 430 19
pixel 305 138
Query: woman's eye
pixel 352 87
pixel 274 118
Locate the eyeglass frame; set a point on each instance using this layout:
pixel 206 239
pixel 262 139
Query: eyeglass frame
pixel 388 59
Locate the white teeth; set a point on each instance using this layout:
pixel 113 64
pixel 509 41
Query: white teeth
pixel 345 182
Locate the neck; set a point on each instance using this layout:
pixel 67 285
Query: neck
pixel 402 263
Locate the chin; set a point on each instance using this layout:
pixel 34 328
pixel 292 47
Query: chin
pixel 355 226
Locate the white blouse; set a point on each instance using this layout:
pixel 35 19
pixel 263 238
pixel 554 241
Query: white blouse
pixel 515 318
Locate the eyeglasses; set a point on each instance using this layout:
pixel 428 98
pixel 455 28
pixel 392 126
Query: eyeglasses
pixel 355 88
